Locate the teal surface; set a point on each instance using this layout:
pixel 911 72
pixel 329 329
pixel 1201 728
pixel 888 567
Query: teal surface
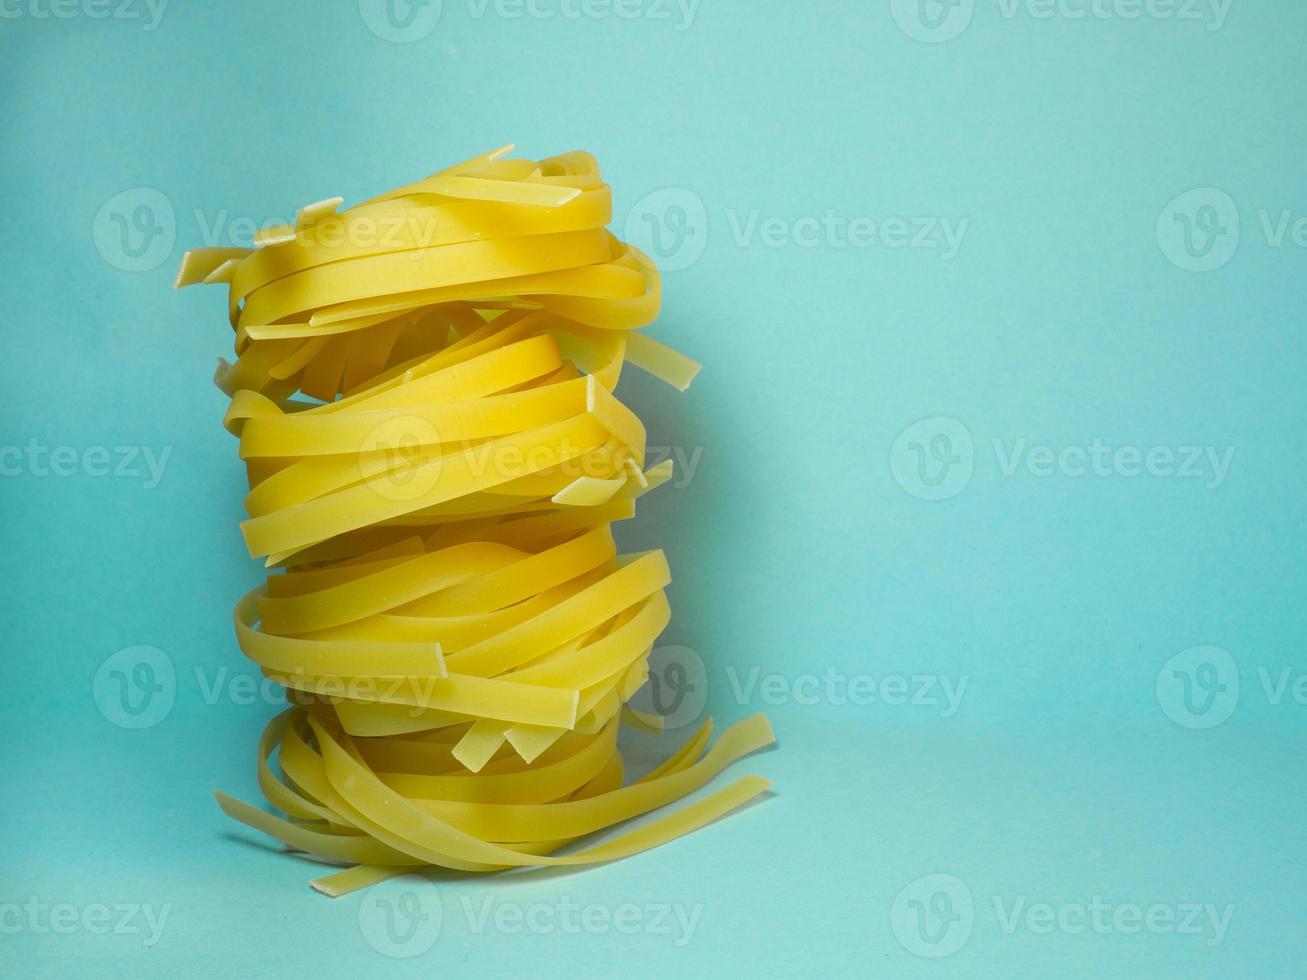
pixel 991 491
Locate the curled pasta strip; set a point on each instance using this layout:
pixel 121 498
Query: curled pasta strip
pixel 423 394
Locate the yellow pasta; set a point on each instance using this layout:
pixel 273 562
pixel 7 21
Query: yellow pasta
pixel 422 390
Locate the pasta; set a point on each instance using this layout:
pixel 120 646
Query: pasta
pixel 422 391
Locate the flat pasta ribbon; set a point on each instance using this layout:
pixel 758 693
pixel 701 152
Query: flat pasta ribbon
pixel 423 393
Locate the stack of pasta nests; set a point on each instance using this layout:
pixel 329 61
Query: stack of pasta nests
pixel 423 394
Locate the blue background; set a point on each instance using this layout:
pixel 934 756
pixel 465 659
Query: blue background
pixel 801 545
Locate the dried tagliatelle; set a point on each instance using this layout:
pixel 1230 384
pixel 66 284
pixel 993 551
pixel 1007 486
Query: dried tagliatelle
pixel 423 394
